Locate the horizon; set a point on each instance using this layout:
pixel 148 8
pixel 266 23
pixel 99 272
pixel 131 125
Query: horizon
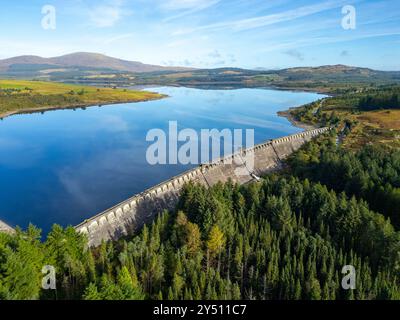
pixel 225 67
pixel 207 34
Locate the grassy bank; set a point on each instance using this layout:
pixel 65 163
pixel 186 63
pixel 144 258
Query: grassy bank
pixel 18 96
pixel 368 116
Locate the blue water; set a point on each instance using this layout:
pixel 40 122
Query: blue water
pixel 65 166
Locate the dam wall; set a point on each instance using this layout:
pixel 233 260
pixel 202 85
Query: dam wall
pixel 5 228
pixel 133 213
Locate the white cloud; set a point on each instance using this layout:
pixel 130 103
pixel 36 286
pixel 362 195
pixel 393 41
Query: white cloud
pixel 107 14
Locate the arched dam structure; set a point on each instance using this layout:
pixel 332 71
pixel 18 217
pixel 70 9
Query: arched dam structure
pixel 128 216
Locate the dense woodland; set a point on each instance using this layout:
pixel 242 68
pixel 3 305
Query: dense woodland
pixel 388 98
pixel 286 237
pixel 371 173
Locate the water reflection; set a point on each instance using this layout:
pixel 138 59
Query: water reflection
pixel 64 166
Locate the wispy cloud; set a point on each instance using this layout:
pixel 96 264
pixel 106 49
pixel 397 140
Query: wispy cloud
pixel 118 38
pixel 266 20
pixel 186 4
pixel 190 7
pixel 312 41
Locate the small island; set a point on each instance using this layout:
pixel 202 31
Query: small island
pixel 21 96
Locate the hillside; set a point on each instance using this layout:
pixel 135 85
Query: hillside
pixel 98 69
pixel 331 79
pixel 77 60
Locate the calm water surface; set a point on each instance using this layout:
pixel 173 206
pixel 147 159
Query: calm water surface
pixel 65 166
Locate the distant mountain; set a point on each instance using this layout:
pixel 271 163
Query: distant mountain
pixel 337 68
pixel 338 74
pixel 98 69
pixel 331 70
pixel 84 60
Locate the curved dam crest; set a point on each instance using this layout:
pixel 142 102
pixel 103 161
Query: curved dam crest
pixel 126 217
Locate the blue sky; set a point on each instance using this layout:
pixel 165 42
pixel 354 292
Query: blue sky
pixel 209 33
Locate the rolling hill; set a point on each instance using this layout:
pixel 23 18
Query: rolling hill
pixel 79 60
pixel 98 69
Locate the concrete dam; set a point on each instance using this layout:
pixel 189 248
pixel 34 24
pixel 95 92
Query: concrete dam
pixel 126 217
pixel 5 228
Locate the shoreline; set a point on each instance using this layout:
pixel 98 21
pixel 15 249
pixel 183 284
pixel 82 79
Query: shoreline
pixel 306 126
pixel 286 114
pixel 74 106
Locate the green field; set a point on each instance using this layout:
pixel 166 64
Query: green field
pixel 23 96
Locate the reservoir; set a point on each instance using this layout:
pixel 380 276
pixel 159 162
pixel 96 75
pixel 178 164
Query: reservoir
pixel 65 166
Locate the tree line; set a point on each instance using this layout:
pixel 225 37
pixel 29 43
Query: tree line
pixel 380 99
